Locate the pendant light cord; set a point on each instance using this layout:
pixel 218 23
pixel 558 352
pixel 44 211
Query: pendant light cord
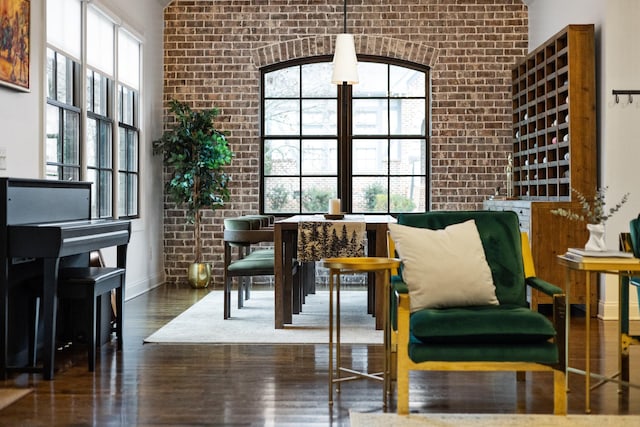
pixel 345 16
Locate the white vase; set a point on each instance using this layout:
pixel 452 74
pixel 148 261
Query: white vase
pixel 596 238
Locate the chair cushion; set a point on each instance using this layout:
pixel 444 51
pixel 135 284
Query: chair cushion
pixel 445 267
pixel 256 264
pixel 503 324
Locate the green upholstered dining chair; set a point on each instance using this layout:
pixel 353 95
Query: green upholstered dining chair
pixel 245 233
pixel 502 335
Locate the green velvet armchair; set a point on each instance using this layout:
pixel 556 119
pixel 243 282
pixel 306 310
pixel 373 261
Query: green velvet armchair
pixel 634 226
pixel 504 335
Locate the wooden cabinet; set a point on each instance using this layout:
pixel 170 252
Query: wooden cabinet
pixel 554 148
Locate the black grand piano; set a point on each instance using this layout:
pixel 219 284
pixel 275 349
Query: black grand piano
pixel 44 225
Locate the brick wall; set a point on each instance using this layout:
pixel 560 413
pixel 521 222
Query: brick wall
pixel 214 49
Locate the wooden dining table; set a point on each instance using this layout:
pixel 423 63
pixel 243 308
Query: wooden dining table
pixel 285 247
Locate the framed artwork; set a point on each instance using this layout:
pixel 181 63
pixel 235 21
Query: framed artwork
pixel 15 43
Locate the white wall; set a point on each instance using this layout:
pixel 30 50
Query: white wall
pixel 618 66
pixel 22 132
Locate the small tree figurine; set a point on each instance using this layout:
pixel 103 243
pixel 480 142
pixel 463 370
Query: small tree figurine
pixel 195 153
pixel 594 214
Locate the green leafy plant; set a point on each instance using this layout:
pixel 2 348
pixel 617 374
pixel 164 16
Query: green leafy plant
pixel 195 153
pixel 278 197
pixel 316 199
pixel 592 211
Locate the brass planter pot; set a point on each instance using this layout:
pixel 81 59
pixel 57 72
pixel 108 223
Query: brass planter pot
pixel 199 275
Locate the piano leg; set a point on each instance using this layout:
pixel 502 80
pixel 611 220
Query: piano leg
pixel 49 314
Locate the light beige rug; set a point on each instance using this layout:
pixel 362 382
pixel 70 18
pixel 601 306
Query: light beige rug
pixel 491 420
pixel 10 395
pixel 203 322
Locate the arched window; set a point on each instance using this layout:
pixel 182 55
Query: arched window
pixel 375 157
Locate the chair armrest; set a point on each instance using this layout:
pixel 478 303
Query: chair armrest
pixel 543 286
pixel 398 285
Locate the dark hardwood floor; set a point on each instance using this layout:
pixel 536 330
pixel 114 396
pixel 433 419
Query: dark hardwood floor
pixel 242 385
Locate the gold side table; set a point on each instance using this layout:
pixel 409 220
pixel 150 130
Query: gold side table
pixel 623 267
pixel 337 267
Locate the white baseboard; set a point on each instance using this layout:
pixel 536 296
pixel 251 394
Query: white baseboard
pixel 138 288
pixel 609 311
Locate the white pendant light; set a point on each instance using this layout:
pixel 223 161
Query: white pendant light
pixel 345 62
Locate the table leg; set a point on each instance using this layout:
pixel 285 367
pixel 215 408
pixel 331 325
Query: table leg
pixel 338 354
pixel 331 274
pixel 277 277
pixel 623 330
pixel 386 389
pixel 587 358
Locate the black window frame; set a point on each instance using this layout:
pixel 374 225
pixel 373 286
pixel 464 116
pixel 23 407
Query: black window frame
pixel 345 133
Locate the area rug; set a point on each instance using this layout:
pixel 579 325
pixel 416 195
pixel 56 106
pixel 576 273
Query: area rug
pixel 203 322
pixel 10 395
pixel 491 420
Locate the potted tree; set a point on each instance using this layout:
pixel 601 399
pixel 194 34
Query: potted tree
pixel 195 154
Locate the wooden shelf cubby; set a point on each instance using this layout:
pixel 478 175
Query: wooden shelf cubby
pixel 554 118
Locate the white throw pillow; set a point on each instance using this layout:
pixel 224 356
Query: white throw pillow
pixel 444 268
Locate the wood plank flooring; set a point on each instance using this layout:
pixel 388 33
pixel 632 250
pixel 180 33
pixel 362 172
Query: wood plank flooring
pixel 280 385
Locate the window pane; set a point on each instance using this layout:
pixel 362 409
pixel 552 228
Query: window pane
pixel 105 193
pixel 408 157
pixel 125 112
pixel 128 59
pixel 369 194
pixel 316 82
pixel 282 195
pixel 406 82
pixel 132 143
pixel 319 157
pixel 316 193
pixel 370 157
pixel 53 134
pixel 407 194
pixel 122 149
pixel 282 117
pixel 51 74
pixel 370 117
pixel 319 117
pixel 132 192
pixel 71 150
pixel 407 116
pixel 64 25
pixel 105 145
pixel 373 80
pixel 122 194
pixel 92 143
pixel 283 83
pixel 64 80
pixel 282 157
pixel 99 41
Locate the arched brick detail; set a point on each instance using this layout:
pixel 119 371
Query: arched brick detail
pixel 365 45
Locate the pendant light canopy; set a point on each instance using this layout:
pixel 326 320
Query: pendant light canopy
pixel 345 62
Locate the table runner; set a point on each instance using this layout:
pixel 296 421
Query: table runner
pixel 326 239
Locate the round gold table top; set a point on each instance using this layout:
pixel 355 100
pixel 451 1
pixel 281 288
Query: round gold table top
pixel 361 263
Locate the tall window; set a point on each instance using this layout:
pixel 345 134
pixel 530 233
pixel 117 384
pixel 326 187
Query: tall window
pixel 128 106
pixel 381 166
pixel 92 105
pixel 63 91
